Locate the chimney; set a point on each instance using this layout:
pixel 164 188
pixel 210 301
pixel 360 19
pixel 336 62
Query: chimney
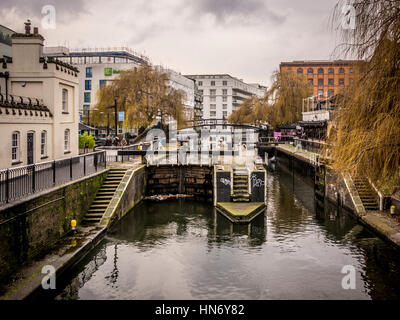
pixel 27 27
pixel 35 31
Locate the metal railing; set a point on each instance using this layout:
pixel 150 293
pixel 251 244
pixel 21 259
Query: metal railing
pixel 16 183
pixel 309 145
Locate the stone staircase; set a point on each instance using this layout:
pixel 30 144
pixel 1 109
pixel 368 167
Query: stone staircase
pixel 104 196
pixel 366 193
pixel 240 185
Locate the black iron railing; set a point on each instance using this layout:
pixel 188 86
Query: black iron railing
pixel 16 183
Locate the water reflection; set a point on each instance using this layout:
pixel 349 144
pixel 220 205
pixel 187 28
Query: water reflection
pixel 182 249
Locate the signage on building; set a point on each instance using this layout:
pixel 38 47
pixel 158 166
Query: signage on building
pixel 121 116
pixel 110 71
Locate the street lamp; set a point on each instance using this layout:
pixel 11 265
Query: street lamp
pixel 88 114
pixel 116 115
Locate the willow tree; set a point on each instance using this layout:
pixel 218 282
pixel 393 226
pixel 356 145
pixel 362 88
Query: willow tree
pixel 366 134
pixel 282 103
pixel 143 94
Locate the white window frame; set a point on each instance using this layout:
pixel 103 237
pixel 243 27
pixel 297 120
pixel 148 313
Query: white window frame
pixel 67 139
pixel 43 143
pixel 15 146
pixel 64 100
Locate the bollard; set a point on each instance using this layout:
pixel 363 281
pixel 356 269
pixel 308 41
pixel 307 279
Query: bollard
pixel 73 225
pixel 392 210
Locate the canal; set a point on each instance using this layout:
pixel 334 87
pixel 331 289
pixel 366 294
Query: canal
pixel 182 249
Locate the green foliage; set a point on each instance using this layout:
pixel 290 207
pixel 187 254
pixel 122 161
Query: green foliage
pixel 86 138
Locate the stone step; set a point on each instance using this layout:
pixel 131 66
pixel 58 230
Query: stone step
pixel 99 206
pixel 94 215
pixel 95 210
pixel 91 220
pixel 101 202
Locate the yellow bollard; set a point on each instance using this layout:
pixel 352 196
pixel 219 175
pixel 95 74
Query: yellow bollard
pixel 73 225
pixel 392 209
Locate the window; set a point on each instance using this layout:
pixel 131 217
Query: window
pixel 331 71
pixel 64 100
pixel 224 92
pixel 15 147
pixel 213 83
pixel 88 72
pixel 299 71
pixel 213 92
pixel 320 71
pixel 66 140
pixel 88 84
pixel 102 83
pixel 85 108
pixel 213 106
pixel 351 70
pixel 212 99
pixel 331 93
pixel 311 82
pixel 213 113
pixel 86 97
pixel 224 113
pixel 331 82
pixel 224 99
pixel 320 82
pixel 200 83
pixel 341 71
pixel 224 83
pixel 320 93
pixel 310 70
pixel 43 144
pixel 201 92
pixel 341 82
pixel 224 106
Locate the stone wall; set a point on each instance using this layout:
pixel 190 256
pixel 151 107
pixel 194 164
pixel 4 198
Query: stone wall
pixel 32 226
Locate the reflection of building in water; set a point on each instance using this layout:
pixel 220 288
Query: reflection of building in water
pixel 224 230
pixel 71 291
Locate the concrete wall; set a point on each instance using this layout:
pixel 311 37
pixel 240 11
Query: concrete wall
pixel 129 193
pixel 32 227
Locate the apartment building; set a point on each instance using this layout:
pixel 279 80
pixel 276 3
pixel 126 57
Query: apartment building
pixel 327 78
pixel 5 41
pixel 222 93
pixel 177 81
pixel 97 67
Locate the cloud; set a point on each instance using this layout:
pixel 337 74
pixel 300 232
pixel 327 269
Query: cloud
pixel 230 10
pixel 33 8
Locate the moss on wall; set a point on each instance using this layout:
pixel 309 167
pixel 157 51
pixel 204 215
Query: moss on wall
pixel 37 224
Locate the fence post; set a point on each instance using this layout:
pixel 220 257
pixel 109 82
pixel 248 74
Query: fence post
pixel 95 161
pixel 33 178
pixel 70 168
pixel 54 172
pixel 105 159
pixel 7 185
pixel 84 165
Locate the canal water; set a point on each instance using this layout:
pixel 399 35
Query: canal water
pixel 182 249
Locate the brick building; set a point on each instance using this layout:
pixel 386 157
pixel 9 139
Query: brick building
pixel 328 78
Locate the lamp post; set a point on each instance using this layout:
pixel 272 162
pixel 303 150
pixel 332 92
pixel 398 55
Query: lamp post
pixel 88 114
pixel 116 115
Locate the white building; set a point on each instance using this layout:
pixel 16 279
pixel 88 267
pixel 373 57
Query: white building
pixel 96 67
pixel 38 105
pixel 187 85
pixel 222 93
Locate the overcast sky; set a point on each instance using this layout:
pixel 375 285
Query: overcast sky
pixel 245 38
